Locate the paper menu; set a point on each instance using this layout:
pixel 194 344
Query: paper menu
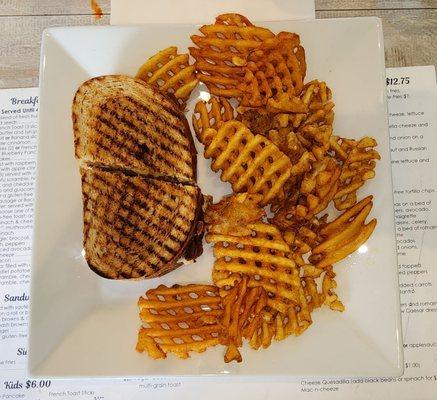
pixel 412 95
pixel 195 11
pixel 18 132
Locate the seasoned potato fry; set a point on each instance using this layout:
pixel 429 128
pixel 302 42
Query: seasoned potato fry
pixel 251 163
pixel 278 147
pixel 358 166
pixel 171 73
pixel 344 235
pixel 222 50
pixel 211 114
pixel 179 319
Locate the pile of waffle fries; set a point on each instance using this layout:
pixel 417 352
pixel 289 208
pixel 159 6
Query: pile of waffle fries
pixel 270 134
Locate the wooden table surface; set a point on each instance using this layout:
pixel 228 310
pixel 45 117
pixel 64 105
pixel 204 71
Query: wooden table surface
pixel 410 30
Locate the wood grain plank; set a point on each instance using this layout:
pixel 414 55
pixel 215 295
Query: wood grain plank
pixel 373 4
pixel 50 7
pixel 75 7
pixel 20 45
pixel 409 35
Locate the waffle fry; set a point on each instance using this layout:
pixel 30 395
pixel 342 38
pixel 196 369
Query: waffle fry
pixel 251 163
pixel 301 242
pixel 302 239
pixel 222 51
pixel 263 257
pixel 317 97
pixel 277 149
pixel 264 332
pixel 242 316
pixel 233 213
pixel 316 190
pixel 312 128
pixel 170 72
pixel 179 319
pixel 211 114
pixel 256 274
pixel 330 298
pixel 316 138
pixel 344 235
pixel 273 77
pixel 359 164
pixel 326 295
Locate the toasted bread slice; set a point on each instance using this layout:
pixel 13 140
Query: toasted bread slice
pixel 134 226
pixel 123 122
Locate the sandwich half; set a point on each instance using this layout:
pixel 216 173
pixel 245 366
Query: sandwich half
pixel 141 204
pixel 123 122
pixel 135 226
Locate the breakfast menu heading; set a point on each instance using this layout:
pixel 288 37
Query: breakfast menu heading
pixel 412 95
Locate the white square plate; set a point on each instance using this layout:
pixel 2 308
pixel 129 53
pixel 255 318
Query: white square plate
pixel 84 325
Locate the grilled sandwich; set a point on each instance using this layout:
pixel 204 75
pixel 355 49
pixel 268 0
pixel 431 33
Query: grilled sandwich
pixel 123 122
pixel 135 226
pixel 141 204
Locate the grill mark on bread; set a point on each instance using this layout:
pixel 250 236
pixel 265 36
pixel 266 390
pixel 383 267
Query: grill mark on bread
pixel 132 173
pixel 142 205
pixel 165 124
pixel 160 151
pixel 180 128
pixel 152 154
pixel 117 145
pixel 136 270
pixel 153 249
pixel 140 269
pixel 167 206
pixel 115 150
pixel 130 236
pixel 155 114
pixel 151 182
pixel 123 104
pixel 134 226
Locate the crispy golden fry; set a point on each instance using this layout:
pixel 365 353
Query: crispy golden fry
pixel 211 114
pixel 253 314
pixel 330 298
pixel 262 337
pixel 343 220
pixel 317 188
pixel 273 76
pixel 316 138
pixel 170 72
pixel 317 97
pixel 349 247
pixel 290 145
pixel 285 103
pixel 303 239
pixel 278 149
pixel 358 166
pixel 336 241
pixel 326 295
pixel 233 214
pixel 179 319
pixel 344 235
pixel 262 256
pixel 242 316
pixel 311 127
pixel 258 120
pixel 251 163
pixel 222 51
